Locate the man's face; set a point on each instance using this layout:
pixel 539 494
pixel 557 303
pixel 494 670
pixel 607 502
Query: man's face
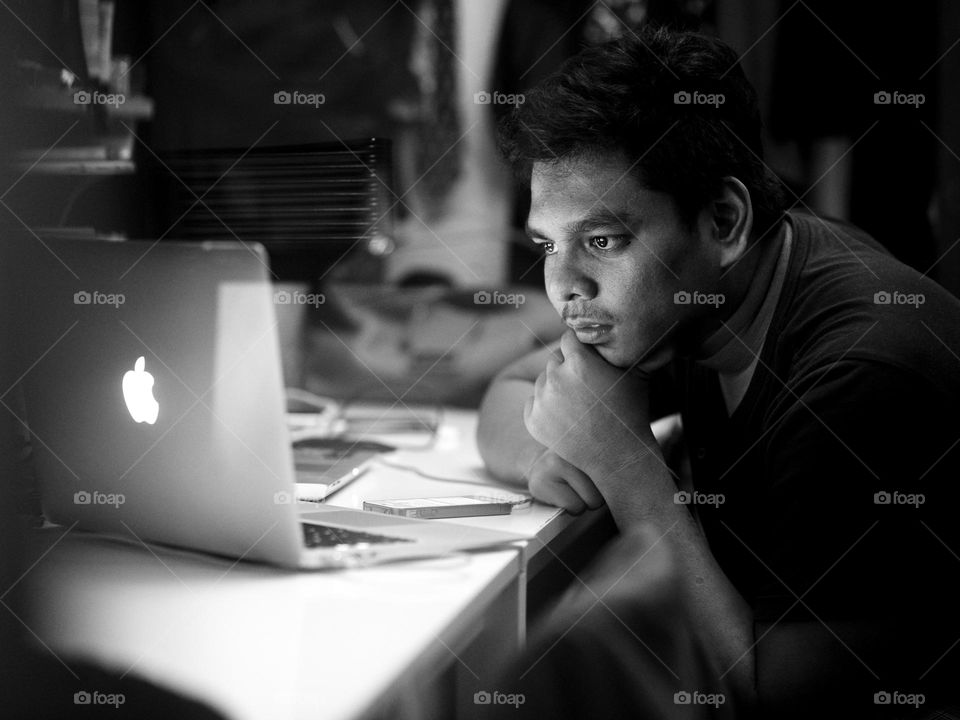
pixel 616 253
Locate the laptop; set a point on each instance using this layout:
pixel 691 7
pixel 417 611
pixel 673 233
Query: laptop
pixel 154 397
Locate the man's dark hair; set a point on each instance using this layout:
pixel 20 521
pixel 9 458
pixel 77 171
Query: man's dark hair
pixel 655 98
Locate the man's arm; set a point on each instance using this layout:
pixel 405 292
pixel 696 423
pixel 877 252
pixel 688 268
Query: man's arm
pixel 505 445
pixel 642 494
pixel 597 417
pixel 512 455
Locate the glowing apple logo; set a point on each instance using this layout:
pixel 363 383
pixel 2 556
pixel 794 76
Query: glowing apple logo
pixel 138 394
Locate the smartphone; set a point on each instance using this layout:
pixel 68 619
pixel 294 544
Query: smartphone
pixel 441 507
pixel 325 465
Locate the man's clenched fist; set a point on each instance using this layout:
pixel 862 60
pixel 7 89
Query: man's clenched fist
pixel 590 413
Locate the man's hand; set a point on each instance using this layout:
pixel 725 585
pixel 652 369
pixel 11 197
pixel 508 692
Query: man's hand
pixel 553 480
pixel 590 413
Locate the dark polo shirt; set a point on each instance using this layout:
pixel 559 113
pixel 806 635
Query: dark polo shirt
pixel 839 468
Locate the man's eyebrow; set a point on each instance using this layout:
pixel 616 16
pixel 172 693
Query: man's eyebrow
pixel 532 232
pixel 594 221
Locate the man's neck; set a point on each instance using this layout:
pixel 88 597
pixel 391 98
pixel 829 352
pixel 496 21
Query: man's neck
pixel 735 345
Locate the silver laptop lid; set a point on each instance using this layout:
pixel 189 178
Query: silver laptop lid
pixel 155 396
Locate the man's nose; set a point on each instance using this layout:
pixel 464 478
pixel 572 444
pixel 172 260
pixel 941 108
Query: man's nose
pixel 567 279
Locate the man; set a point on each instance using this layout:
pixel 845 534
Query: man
pixel 807 566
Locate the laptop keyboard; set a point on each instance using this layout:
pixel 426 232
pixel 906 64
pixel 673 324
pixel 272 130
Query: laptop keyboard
pixel 325 536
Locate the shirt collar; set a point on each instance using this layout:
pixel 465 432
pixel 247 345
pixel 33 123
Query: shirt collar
pixel 733 348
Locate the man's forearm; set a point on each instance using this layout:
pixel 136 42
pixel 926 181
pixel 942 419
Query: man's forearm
pixel 641 492
pixel 505 445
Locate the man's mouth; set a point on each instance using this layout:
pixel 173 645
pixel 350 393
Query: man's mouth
pixel 590 333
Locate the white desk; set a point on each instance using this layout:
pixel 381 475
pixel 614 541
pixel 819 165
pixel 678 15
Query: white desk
pixel 255 642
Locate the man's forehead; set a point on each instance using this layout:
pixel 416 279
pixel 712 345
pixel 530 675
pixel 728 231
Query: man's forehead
pixel 592 184
pixel 585 181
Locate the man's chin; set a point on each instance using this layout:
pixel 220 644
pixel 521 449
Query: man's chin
pixel 615 356
pixel 647 362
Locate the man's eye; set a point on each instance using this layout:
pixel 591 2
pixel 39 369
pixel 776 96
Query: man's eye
pixel 548 248
pixel 607 242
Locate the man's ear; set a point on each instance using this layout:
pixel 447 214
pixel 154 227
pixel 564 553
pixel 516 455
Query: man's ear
pixel 732 220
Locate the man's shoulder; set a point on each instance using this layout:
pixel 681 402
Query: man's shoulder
pixel 849 298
